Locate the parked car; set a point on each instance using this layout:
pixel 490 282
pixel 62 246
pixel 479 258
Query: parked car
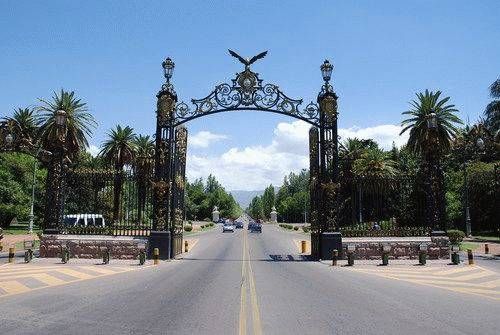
pixel 227 227
pixel 239 224
pixel 256 227
pixel 84 220
pixel 250 224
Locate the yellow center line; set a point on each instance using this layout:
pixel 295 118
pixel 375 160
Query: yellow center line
pixel 257 328
pixel 243 298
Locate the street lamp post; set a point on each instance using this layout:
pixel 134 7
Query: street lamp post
pixel 468 227
pixel 55 177
pixel 433 182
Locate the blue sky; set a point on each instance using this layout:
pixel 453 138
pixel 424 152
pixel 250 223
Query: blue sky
pixel 110 53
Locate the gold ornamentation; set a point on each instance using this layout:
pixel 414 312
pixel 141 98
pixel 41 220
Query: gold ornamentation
pixel 165 106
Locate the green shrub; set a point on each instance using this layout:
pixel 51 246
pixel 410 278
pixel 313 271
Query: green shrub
pixel 212 224
pixel 306 229
pixel 456 236
pixel 296 228
pixel 188 228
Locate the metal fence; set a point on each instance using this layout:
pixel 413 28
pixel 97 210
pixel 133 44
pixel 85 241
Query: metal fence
pixel 108 202
pixel 382 206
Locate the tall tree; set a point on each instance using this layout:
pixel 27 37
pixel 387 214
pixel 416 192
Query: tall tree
pixel 268 200
pixel 426 103
pixel 23 124
pixel 79 122
pixel 431 143
pixel 492 112
pixel 143 164
pixel 375 163
pixel 119 149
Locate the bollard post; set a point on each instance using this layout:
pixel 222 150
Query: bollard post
pixel 351 248
pixel 470 256
pixel 335 256
pixel 385 258
pixel 28 255
pixel 64 255
pixel 303 247
pixel 106 256
pixel 386 248
pixel 422 257
pixel 186 246
pixel 455 257
pixel 486 249
pixel 142 257
pixel 156 256
pixel 12 253
pixel 350 258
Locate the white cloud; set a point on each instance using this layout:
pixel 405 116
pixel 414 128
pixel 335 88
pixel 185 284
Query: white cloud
pixel 255 167
pixel 383 134
pixel 203 139
pixel 93 150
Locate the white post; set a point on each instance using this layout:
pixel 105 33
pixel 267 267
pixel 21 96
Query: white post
pixel 32 213
pixel 215 214
pixel 274 215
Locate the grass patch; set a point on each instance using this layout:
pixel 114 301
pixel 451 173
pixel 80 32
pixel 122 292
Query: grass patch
pixel 469 245
pixel 487 238
pixel 20 229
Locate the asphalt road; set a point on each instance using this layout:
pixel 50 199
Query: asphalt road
pixel 246 283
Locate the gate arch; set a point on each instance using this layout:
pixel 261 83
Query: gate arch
pixel 246 92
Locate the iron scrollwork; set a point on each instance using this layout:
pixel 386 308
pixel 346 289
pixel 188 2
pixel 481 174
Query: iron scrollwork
pixel 247 92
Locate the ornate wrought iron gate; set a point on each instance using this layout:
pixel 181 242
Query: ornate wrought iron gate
pixel 247 92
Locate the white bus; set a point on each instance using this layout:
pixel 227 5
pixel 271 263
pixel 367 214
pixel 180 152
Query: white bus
pixel 84 220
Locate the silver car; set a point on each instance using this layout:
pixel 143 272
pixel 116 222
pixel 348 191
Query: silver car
pixel 228 227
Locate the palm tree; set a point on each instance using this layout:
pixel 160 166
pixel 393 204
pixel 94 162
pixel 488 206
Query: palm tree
pixel 421 139
pixel 351 150
pixel 119 149
pixel 431 142
pixel 79 122
pixel 375 163
pixel 144 153
pixel 492 112
pixel 23 125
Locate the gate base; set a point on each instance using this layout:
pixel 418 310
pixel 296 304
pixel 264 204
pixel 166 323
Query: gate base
pixel 328 243
pixel 162 241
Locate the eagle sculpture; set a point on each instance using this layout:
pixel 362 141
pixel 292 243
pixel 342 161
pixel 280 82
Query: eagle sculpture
pixel 247 62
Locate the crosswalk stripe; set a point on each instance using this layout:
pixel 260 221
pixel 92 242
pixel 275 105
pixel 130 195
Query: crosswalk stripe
pixel 12 287
pixel 25 273
pixel 491 283
pixel 101 270
pixel 16 270
pixel 453 271
pixel 47 279
pixel 477 290
pixel 474 276
pixel 444 282
pixel 76 274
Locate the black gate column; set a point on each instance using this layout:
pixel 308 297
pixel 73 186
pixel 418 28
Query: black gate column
pixel 161 235
pixel 178 187
pixel 328 238
pixel 314 190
